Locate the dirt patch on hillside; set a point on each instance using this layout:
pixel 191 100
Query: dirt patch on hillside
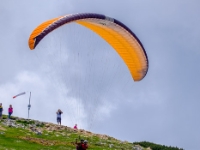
pixel 45 142
pixel 2 128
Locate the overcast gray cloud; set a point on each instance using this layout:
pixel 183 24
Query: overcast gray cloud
pixel 75 70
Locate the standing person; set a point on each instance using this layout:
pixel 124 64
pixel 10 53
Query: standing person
pixel 1 110
pixel 75 127
pixel 59 112
pixel 10 111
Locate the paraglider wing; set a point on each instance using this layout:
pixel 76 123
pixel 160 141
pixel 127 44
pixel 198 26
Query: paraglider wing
pixel 120 37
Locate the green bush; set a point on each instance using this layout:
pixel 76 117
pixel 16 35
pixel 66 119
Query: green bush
pixel 156 146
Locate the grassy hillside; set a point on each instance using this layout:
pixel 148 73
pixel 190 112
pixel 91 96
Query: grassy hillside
pixel 22 134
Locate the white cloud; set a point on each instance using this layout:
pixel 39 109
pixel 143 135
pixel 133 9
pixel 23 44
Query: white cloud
pixel 169 32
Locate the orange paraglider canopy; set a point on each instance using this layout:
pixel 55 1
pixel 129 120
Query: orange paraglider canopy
pixel 120 37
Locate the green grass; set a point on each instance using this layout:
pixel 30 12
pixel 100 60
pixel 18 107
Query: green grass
pixel 22 138
pixel 12 138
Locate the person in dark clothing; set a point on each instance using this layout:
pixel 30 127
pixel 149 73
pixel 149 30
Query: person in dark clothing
pixel 59 112
pixel 1 111
pixel 79 144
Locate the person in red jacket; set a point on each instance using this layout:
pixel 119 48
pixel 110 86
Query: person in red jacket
pixel 75 127
pixel 79 144
pixel 10 111
pixel 84 145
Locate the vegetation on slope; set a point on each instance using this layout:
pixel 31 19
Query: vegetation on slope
pixel 156 146
pixel 23 134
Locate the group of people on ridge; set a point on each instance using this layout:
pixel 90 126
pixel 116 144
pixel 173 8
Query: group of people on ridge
pixel 10 111
pixel 82 145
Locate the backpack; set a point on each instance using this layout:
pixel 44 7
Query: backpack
pixel 79 146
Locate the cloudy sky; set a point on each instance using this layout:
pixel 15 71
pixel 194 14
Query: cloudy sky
pixel 75 70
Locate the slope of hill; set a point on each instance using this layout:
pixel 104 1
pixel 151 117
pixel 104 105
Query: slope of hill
pixel 22 134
